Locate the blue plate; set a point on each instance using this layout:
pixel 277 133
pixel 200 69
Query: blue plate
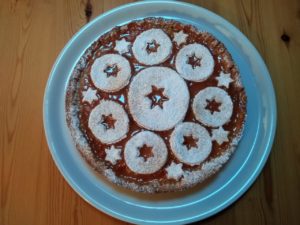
pixel 172 208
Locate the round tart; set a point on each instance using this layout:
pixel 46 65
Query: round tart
pixel 156 105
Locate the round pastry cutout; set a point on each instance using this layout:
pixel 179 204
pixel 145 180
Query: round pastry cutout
pixel 110 72
pixel 194 62
pixel 212 106
pixel 190 143
pixel 152 47
pixel 158 98
pixel 108 122
pixel 145 153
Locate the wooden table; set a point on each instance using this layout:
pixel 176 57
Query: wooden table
pixel 32 33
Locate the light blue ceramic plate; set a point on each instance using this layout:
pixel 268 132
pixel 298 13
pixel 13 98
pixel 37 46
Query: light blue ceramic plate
pixel 196 204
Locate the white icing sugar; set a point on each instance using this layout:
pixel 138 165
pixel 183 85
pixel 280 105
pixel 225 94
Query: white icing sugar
pixel 217 118
pixel 220 135
pixel 224 79
pixel 238 82
pixel 196 154
pixel 113 154
pixel 208 168
pixel 198 73
pixel 162 52
pixel 174 171
pixel 121 125
pixel 137 163
pixel 90 95
pixel 174 88
pixel 110 83
pixel 72 113
pixel 122 46
pixel 180 37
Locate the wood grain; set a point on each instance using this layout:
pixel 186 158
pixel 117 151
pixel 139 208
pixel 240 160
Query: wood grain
pixel 32 33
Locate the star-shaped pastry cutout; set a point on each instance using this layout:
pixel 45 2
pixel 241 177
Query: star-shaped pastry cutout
pixel 113 154
pixel 152 46
pixel 89 96
pixel 212 106
pixel 190 142
pixel 122 46
pixel 174 171
pixel 108 121
pixel 224 79
pixel 146 152
pixel 194 61
pixel 180 37
pixel 220 135
pixel 157 97
pixel 111 70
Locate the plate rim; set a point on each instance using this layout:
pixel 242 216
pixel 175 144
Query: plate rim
pixel 244 188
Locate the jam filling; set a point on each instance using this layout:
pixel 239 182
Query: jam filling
pixel 194 61
pixel 146 152
pixel 157 97
pixel 111 70
pixel 213 106
pixel 152 47
pixel 190 142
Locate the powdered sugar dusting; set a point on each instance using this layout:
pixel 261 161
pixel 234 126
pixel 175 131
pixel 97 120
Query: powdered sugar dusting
pixel 90 95
pixel 238 82
pixel 217 118
pixel 224 79
pixel 113 154
pixel 122 46
pixel 137 163
pixel 173 110
pixel 220 135
pixel 180 37
pixel 202 70
pixel 72 108
pixel 208 169
pixel 106 82
pixel 197 154
pixel 118 114
pixel 174 171
pixel 159 55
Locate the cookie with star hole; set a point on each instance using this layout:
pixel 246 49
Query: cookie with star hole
pixel 194 62
pixel 152 47
pixel 213 106
pixel 158 98
pixel 145 153
pixel 110 72
pixel 156 105
pixel 190 143
pixel 108 122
